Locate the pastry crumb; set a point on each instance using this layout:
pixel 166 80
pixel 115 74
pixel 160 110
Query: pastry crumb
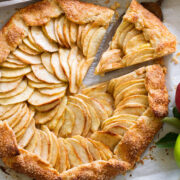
pixel 115 6
pixel 107 1
pixel 175 58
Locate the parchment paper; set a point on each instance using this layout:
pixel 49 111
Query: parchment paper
pixel 157 164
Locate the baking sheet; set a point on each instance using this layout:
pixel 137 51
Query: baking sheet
pixel 157 164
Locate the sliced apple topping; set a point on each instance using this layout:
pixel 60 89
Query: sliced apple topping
pixel 42 41
pixel 27 58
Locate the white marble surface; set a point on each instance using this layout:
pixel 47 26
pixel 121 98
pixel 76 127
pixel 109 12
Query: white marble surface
pixel 162 166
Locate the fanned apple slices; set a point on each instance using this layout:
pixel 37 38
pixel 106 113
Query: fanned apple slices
pixel 58 52
pixel 131 102
pixel 137 40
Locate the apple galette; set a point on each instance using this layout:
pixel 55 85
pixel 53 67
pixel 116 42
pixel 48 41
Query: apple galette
pixel 140 37
pixel 51 127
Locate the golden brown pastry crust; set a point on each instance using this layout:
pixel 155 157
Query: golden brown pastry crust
pixel 153 29
pixel 8 144
pixel 82 13
pixel 100 170
pixel 41 12
pixel 157 92
pixel 31 165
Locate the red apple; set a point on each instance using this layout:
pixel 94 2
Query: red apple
pixel 178 97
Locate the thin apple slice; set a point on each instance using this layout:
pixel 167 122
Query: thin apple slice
pixel 84 69
pixel 28 43
pixel 95 42
pixel 8 110
pixel 42 74
pixel 17 115
pixel 144 53
pixel 107 106
pixel 27 58
pixel 9 86
pixel 33 142
pixel 140 99
pixel 49 30
pixel 56 27
pixel 107 138
pixel 84 32
pixel 53 151
pixel 44 145
pixel 101 112
pixel 54 91
pixel 68 125
pixel 22 122
pixel 24 141
pixel 73 30
pixel 87 38
pixel 121 86
pixel 133 109
pixel 57 129
pixel 11 73
pixel 33 78
pixel 57 67
pixel 120 29
pixel 98 88
pixel 23 47
pixel 60 31
pixel 73 157
pixel 78 73
pixel 95 121
pixel 66 33
pixel 64 162
pixel 42 41
pixel 119 126
pixel 46 61
pixel 24 110
pixel 108 59
pixel 25 124
pixel 47 107
pixel 84 107
pixel 11 65
pixel 38 99
pixel 63 58
pixel 121 117
pixel 3 79
pixel 80 29
pixel 104 150
pixel 43 85
pixel 97 145
pixel 31 39
pixel 84 143
pixel 58 159
pixel 73 63
pixel 134 43
pixel 136 89
pixel 129 36
pixel 24 96
pixel 54 122
pixel 123 34
pixel 38 147
pixel 80 150
pixel 79 119
pixel 44 117
pixel 93 150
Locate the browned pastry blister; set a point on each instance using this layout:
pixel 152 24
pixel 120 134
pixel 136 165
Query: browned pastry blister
pixel 51 127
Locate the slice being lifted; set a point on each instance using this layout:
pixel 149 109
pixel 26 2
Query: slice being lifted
pixel 140 37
